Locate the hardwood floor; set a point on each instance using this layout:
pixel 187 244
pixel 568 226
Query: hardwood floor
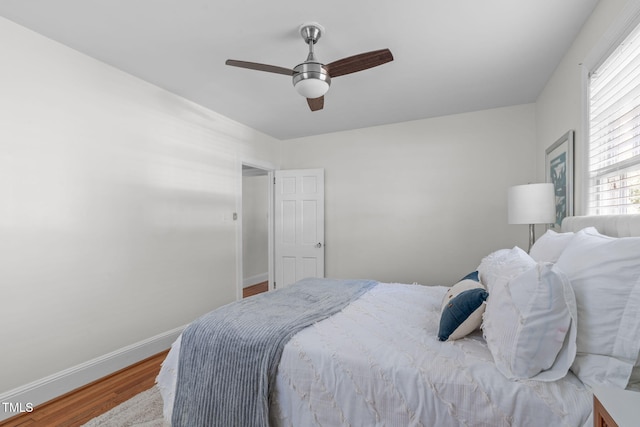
pixel 79 406
pixel 255 289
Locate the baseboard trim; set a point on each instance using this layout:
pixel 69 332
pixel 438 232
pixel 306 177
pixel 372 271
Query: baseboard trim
pixel 45 389
pixel 254 280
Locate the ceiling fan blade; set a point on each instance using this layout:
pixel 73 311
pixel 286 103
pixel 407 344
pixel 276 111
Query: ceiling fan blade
pixel 316 103
pixel 260 67
pixel 359 62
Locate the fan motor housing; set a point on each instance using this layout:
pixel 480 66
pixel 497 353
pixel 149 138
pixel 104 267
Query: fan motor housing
pixel 310 70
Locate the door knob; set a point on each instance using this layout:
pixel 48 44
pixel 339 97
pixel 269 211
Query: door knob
pixel 318 245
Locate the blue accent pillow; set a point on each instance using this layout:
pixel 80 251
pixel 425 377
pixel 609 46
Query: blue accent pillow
pixel 456 313
pixel 471 276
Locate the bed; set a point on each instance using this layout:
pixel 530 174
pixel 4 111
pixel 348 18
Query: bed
pixel 555 322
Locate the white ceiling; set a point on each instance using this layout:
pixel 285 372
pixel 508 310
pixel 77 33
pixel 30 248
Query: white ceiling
pixel 451 56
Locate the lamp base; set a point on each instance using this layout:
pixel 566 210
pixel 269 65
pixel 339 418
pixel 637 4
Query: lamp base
pixel 532 236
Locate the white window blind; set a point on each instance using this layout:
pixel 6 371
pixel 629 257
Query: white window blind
pixel 614 131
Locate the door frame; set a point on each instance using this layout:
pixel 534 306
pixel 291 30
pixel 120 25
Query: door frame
pixel 269 168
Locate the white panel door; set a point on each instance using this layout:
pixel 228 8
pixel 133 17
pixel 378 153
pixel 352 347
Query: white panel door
pixel 299 228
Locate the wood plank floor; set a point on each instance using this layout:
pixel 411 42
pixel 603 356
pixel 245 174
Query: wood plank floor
pixel 79 406
pixel 255 289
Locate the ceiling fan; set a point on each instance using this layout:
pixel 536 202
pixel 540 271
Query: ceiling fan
pixel 312 78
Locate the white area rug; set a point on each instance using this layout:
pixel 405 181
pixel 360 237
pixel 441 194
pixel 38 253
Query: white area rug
pixel 143 410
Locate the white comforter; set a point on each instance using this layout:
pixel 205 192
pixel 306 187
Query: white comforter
pixel 379 363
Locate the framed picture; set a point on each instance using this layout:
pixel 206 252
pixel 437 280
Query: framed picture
pixel 559 171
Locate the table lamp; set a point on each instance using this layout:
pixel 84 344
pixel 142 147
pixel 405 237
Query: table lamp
pixel 532 204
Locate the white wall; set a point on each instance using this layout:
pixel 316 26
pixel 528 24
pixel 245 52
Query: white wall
pixel 420 201
pixel 560 107
pixel 115 207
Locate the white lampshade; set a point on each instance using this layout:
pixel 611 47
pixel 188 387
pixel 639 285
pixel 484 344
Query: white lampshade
pixel 532 204
pixel 312 88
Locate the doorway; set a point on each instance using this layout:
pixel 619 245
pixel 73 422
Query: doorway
pixel 255 231
pixel 260 242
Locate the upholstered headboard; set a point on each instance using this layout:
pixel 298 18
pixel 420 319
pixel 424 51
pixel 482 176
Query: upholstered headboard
pixel 610 225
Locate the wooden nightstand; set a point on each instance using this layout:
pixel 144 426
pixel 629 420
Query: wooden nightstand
pixel 613 407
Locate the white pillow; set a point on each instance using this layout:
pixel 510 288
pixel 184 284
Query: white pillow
pixel 530 324
pixel 503 263
pixel 605 276
pixel 549 246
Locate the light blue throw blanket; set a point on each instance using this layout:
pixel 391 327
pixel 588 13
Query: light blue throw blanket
pixel 229 357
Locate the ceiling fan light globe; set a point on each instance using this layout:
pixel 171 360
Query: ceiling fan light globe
pixel 312 87
pixel 311 79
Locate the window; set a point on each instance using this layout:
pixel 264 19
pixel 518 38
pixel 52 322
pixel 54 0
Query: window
pixel 614 131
